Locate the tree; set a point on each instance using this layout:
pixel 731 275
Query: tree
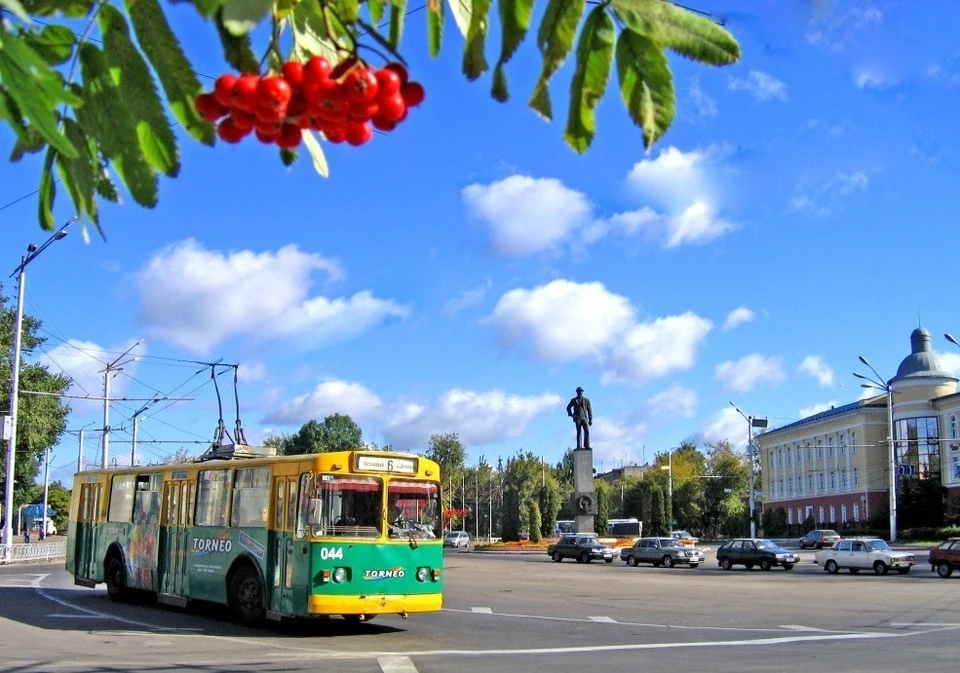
pixel 658 511
pixel 95 121
pixel 724 492
pixel 338 432
pixel 548 500
pixel 41 419
pixel 58 499
pixel 522 479
pixel 601 522
pixel 533 516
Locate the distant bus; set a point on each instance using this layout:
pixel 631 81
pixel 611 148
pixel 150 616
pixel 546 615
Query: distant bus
pixel 350 533
pixel 624 527
pixel 565 527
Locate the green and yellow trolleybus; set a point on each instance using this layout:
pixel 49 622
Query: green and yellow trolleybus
pixel 352 533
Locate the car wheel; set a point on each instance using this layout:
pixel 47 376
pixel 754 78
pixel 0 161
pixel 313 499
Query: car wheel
pixel 904 571
pixel 831 567
pixel 854 571
pixel 694 565
pixel 880 568
pixel 748 566
pixel 944 569
pixel 583 558
pixel 765 564
pixel 667 561
pixel 788 566
pixel 632 561
pixel 725 563
pixel 608 560
pixel 556 557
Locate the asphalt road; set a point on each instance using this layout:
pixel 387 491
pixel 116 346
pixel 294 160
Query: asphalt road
pixel 515 613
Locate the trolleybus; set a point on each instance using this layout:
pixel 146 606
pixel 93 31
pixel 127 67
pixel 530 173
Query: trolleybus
pixel 352 533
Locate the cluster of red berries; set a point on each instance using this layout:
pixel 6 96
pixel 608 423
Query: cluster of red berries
pixel 341 102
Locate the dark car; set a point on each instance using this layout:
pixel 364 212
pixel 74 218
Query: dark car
pixel 750 552
pixel 661 551
pixel 819 539
pixel 583 548
pixel 945 557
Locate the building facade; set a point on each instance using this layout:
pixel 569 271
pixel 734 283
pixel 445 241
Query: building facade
pixel 835 466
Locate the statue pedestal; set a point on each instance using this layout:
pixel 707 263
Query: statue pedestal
pixel 584 500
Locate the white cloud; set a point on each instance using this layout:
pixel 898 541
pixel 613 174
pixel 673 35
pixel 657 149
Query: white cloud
pixel 654 349
pixel 328 398
pixel 737 317
pixel 836 24
pixel 822 198
pixel 545 319
pixel 467 298
pixel 527 215
pixel 829 130
pixel 727 425
pixel 817 408
pixel 815 366
pixel 674 179
pixel 674 402
pixel 84 362
pixel 615 441
pixel 868 78
pixel 697 224
pixel 950 362
pixel 701 102
pixel 196 298
pixel 750 371
pixel 762 86
pixel 478 418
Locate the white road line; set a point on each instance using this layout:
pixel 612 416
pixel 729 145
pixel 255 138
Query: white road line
pixel 801 627
pixel 603 620
pixel 481 611
pixel 396 664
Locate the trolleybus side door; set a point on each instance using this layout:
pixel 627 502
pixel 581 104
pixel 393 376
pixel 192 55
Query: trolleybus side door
pixel 172 561
pixel 85 549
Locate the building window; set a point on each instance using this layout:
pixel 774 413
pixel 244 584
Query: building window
pixel 833 484
pixel 853 442
pixel 917 442
pixel 843 513
pixel 953 426
pixel 843 445
pixel 799 455
pixel 789 457
pixel 830 447
pixel 789 517
pixel 809 453
pixel 955 466
pixel 856 511
pixel 810 483
pixel 856 479
pixel 799 484
pixel 833 514
pixel 820 484
pixel 843 480
pixel 820 512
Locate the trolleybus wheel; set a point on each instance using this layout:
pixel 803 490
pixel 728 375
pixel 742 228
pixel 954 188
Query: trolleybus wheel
pixel 246 595
pixel 116 578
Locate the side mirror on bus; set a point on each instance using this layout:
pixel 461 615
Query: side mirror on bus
pixel 316 511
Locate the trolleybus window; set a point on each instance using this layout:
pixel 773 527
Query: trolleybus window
pixel 212 492
pixel 413 508
pixel 251 497
pixel 347 505
pixel 121 499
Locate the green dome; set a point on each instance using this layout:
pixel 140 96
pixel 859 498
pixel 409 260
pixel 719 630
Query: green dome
pixel 922 361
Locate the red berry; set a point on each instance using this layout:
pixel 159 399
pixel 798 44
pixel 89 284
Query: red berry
pixel 382 124
pixel 209 107
pixel 243 120
pixel 290 136
pixel 298 105
pixel 244 93
pixel 293 73
pixel 332 111
pixel 413 93
pixel 362 111
pixel 358 133
pixel 392 108
pixel 274 92
pixel 389 81
pixel 334 133
pixel 265 138
pixel 230 132
pixel 270 114
pixel 400 70
pixel 223 89
pixel 316 70
pixel 268 129
pixel 361 86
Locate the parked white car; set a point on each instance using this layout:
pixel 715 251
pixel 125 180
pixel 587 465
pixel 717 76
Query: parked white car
pixel 858 554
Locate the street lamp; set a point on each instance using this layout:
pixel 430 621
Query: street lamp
pixel 878 384
pixel 752 422
pixel 20 273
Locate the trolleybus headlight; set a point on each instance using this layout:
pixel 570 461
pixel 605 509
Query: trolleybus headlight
pixel 340 575
pixel 422 574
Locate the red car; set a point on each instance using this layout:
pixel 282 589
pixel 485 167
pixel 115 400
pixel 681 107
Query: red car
pixel 820 539
pixel 945 557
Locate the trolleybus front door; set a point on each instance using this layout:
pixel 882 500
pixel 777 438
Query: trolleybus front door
pixel 172 559
pixel 85 550
pixel 290 550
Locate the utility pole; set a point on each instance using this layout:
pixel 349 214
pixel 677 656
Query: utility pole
pixel 752 422
pixel 46 491
pixel 116 365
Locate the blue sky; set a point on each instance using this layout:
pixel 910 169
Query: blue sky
pixel 467 272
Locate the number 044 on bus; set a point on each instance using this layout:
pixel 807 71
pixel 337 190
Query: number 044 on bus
pixel 349 533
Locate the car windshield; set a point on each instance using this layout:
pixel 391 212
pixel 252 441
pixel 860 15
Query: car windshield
pixel 767 544
pixel 588 540
pixel 878 545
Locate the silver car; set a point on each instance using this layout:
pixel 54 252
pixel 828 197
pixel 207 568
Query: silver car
pixel 456 539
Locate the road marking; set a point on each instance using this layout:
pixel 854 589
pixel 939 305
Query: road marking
pixel 481 611
pixel 801 627
pixel 396 664
pixel 603 620
pixel 63 616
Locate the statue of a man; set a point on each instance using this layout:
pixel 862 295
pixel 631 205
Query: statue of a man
pixel 579 410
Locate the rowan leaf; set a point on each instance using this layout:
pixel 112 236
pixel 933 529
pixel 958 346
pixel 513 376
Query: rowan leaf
pixel 310 33
pixel 54 44
pixel 474 60
pixel 645 84
pixel 207 8
pixel 241 16
pixel 372 32
pixel 397 13
pixel 515 22
pixel 462 10
pixel 594 58
pixel 316 153
pixel 48 191
pixel 104 117
pixel 138 93
pixel 238 50
pixel 555 40
pixel 347 10
pixel 435 17
pixel 35 89
pixel 375 11
pixel 692 35
pixel 17 9
pixel 78 175
pixel 162 49
pixel 30 142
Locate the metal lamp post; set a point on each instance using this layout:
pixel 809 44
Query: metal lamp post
pixel 879 384
pixel 752 422
pixel 20 273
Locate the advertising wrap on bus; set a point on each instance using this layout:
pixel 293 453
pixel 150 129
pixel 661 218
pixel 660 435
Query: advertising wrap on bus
pixel 348 533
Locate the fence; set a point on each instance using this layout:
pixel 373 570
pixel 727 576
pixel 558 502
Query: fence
pixel 38 551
